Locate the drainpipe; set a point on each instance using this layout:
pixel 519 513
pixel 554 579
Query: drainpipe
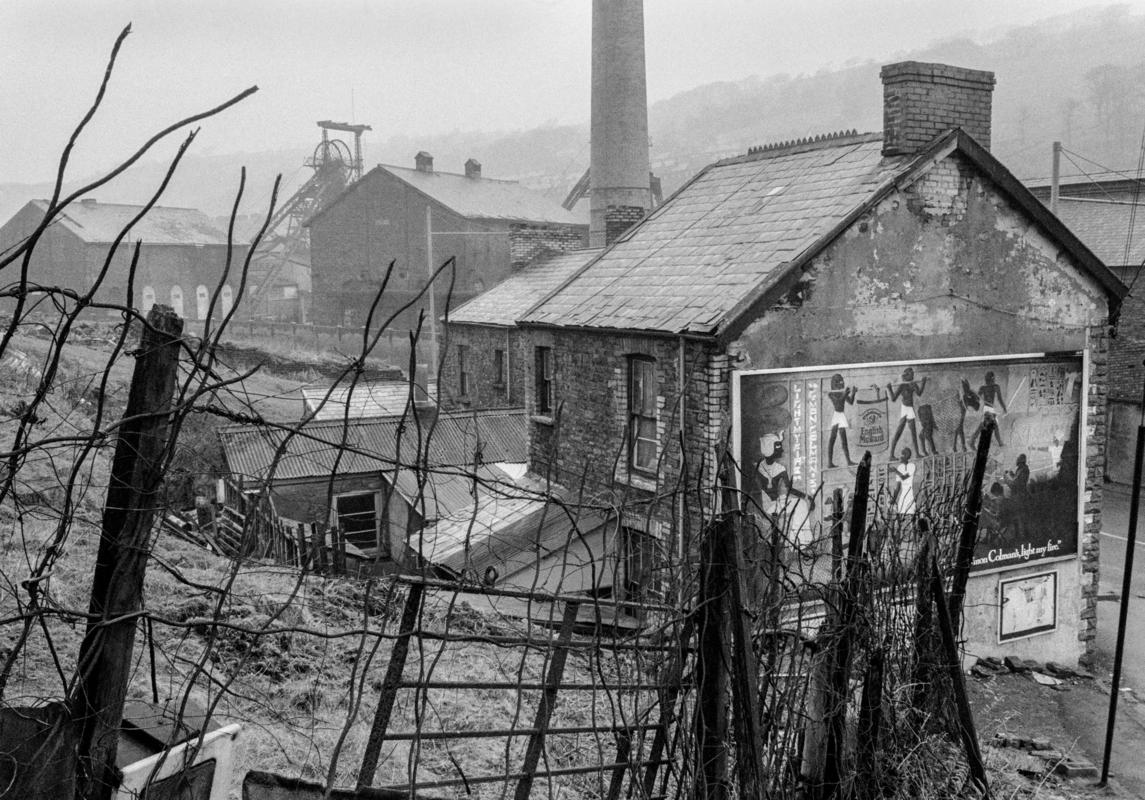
pixel 1055 180
pixel 681 383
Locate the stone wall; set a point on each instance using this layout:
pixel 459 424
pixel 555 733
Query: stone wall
pixel 482 343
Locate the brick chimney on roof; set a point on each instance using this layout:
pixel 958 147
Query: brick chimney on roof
pixel 922 101
pixel 423 161
pixel 473 168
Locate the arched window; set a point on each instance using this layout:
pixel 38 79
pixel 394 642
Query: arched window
pixel 228 298
pixel 148 299
pixel 202 301
pixel 177 300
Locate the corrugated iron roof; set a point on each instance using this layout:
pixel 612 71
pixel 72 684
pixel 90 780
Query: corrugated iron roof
pixel 101 223
pixel 456 439
pixel 366 399
pixel 732 228
pixel 1103 225
pixel 504 303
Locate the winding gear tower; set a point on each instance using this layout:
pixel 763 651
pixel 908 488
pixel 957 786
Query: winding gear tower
pixel 287 240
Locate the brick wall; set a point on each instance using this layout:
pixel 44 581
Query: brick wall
pixel 618 219
pixel 921 101
pixel 1127 351
pixel 527 242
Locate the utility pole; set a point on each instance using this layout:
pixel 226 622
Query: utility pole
pixel 434 363
pixel 1055 180
pixel 133 495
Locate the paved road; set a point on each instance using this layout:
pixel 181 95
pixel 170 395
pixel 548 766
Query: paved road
pixel 1130 734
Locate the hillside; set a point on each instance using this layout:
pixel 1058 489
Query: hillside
pixel 1078 79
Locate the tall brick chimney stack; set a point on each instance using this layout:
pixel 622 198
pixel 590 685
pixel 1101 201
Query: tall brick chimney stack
pixel 619 166
pixel 922 101
pixel 423 162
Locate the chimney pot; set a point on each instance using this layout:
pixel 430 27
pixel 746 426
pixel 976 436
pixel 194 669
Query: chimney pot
pixel 922 101
pixel 423 161
pixel 473 168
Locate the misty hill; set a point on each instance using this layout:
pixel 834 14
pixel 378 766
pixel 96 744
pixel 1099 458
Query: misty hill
pixel 1078 79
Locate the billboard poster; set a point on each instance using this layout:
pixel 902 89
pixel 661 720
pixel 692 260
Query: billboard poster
pixel 801 433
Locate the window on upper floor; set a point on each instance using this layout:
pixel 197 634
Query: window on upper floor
pixel 463 370
pixel 546 394
pixel 642 439
pixel 500 371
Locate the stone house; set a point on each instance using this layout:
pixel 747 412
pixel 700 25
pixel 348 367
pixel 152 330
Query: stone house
pixel 415 217
pixel 721 323
pixel 182 254
pixel 485 366
pixel 1107 215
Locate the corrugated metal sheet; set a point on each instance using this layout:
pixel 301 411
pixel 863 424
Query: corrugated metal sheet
pixel 101 223
pixel 506 530
pixel 506 302
pixel 322 448
pixel 724 235
pixel 366 399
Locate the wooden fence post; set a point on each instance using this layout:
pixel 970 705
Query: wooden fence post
pixel 390 687
pixel 711 671
pixel 104 663
pixel 553 677
pixel 966 728
pixel 744 667
pixel 823 755
pixel 969 535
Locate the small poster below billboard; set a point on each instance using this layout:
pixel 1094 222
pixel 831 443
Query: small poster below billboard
pixel 1029 606
pixel 801 434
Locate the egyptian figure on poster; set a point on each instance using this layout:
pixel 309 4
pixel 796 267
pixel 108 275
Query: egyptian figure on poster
pixel 790 513
pixel 840 396
pixel 905 392
pixel 771 467
pixel 904 492
pixel 992 399
pixel 967 399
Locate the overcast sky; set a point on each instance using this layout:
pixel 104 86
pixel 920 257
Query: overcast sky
pixel 407 66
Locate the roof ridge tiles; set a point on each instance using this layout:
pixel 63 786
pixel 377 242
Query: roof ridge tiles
pixel 806 143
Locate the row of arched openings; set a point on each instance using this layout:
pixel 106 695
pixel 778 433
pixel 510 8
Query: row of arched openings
pixel 202 300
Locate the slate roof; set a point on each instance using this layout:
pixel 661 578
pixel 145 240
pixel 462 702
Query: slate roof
pixel 475 198
pixel 366 399
pixel 371 445
pixel 737 229
pixel 1103 225
pixel 101 223
pixel 502 304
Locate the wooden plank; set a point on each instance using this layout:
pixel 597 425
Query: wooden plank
pixel 390 687
pixel 553 677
